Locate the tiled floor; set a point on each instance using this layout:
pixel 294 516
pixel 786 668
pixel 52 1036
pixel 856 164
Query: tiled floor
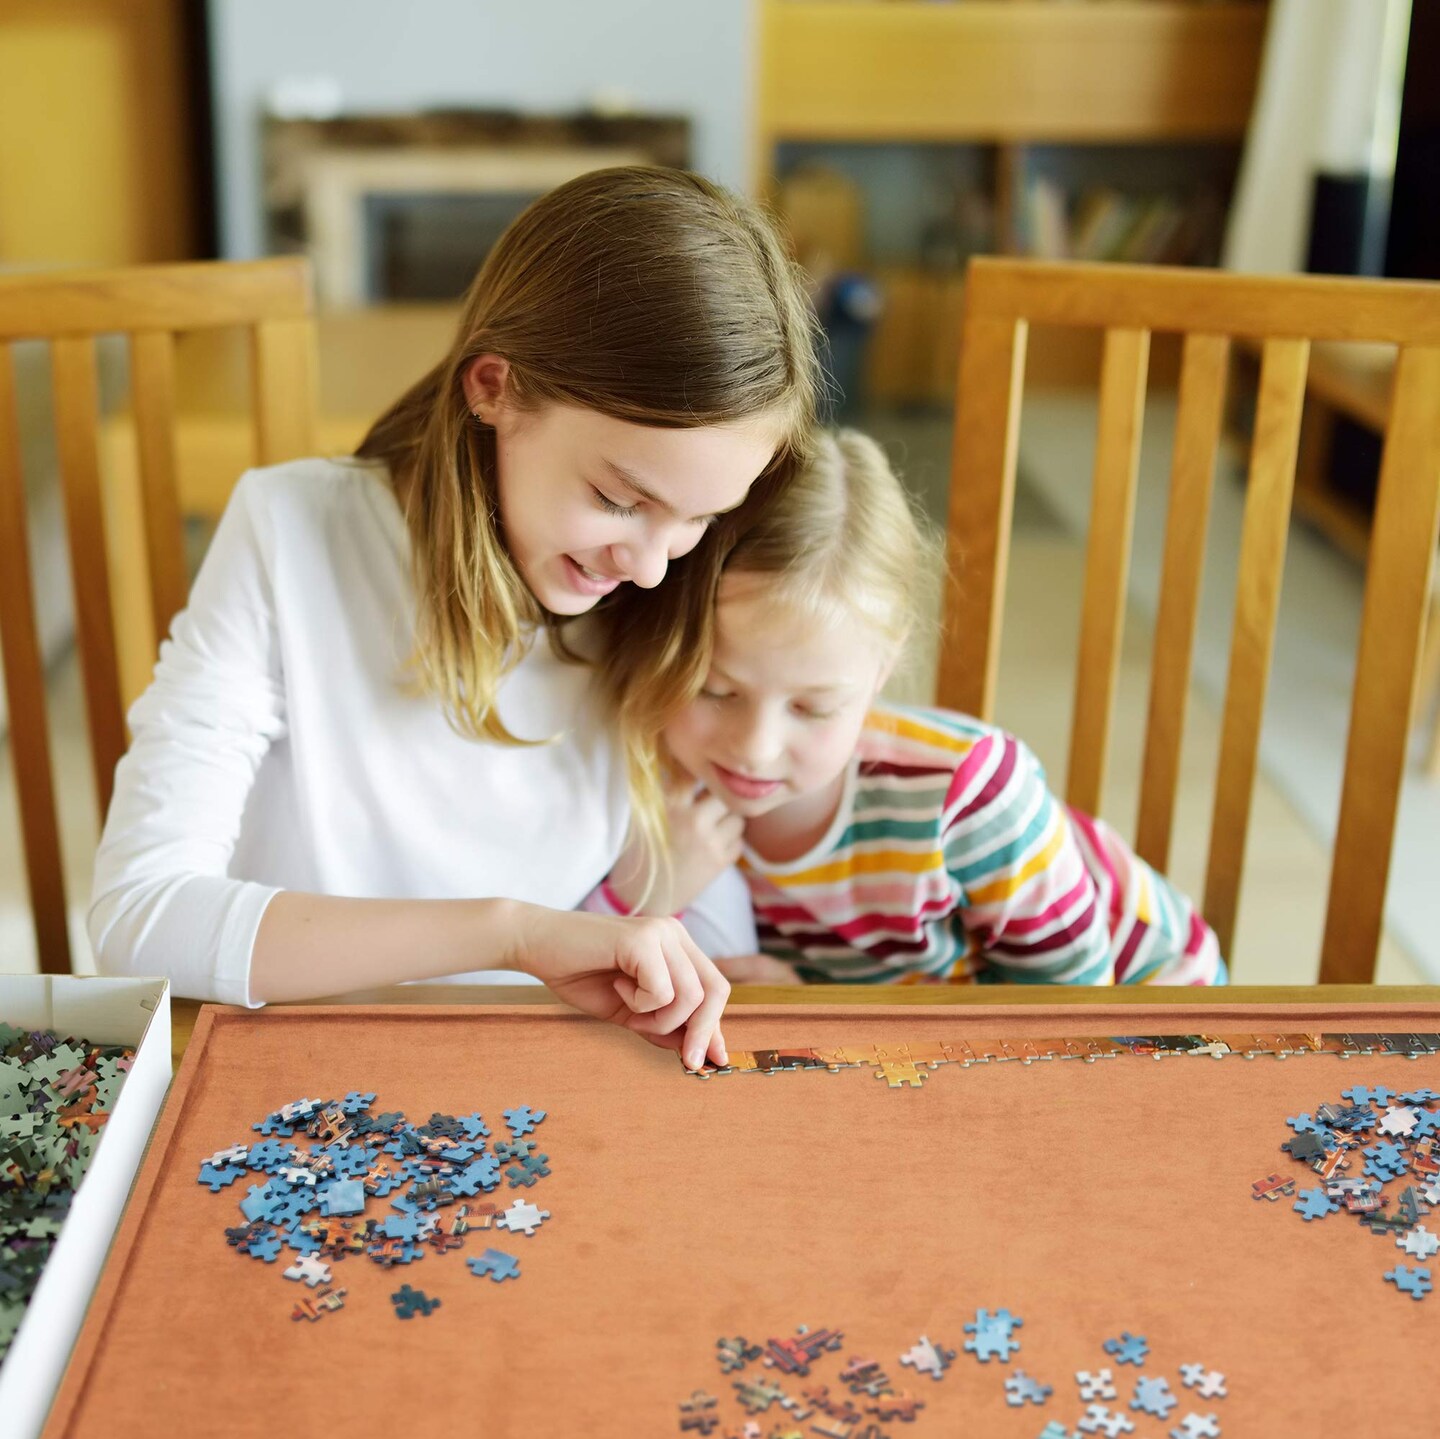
pixel 1282 906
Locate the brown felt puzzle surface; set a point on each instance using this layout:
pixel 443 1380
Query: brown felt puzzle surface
pixel 1089 1199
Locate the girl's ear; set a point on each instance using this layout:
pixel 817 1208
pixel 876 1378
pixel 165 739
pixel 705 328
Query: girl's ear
pixel 485 383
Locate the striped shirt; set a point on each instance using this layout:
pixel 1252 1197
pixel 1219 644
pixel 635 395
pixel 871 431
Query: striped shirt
pixel 950 860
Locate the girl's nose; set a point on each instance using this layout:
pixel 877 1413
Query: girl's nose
pixel 757 741
pixel 644 564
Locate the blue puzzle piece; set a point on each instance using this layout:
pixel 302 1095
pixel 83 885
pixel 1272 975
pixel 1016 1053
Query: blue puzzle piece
pixel 217 1179
pixel 534 1167
pixel 1128 1348
pixel 1427 1122
pixel 1415 1282
pixel 496 1263
pixel 342 1196
pixel 1153 1396
pixel 267 1248
pixel 399 1226
pixel 409 1302
pixel 474 1127
pixel 1314 1204
pixel 269 1155
pixel 992 1335
pixel 354 1102
pixel 522 1120
pixel 1020 1388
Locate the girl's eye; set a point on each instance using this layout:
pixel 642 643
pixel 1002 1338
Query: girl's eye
pixel 609 505
pixel 809 714
pixel 713 695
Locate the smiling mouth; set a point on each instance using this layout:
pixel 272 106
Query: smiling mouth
pixel 744 785
pixel 589 581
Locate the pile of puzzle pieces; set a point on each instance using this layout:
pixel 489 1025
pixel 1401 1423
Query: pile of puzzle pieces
pixel 312 1198
pixel 906 1064
pixel 1377 1137
pixel 869 1402
pixel 56 1093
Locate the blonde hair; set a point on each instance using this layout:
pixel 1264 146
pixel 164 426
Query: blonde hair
pixel 652 296
pixel 844 541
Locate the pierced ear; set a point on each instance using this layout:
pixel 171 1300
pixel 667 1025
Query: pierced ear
pixel 485 384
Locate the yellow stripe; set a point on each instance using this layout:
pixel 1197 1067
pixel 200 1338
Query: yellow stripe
pixel 913 729
pixel 877 862
pixel 1004 888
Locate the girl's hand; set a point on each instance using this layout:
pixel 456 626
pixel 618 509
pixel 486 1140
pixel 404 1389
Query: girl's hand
pixel 757 969
pixel 704 842
pixel 644 973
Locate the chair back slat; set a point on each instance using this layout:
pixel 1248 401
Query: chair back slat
pixel 77 434
pixel 152 384
pixel 148 305
pixel 29 737
pixel 1107 561
pixel 283 365
pixel 1203 363
pixel 1257 603
pixel 1397 594
pixel 1211 310
pixel 982 493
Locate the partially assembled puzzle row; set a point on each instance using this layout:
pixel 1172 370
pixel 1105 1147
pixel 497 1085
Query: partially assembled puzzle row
pixel 907 1064
pixel 312 1198
pixel 869 1400
pixel 56 1094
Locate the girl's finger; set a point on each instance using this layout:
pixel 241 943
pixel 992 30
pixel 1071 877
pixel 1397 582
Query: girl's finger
pixel 704 1025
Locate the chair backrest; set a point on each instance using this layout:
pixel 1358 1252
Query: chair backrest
pixel 1283 315
pixel 149 305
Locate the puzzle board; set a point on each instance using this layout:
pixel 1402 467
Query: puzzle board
pixel 1089 1198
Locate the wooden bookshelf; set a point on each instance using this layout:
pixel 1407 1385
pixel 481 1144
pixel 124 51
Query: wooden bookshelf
pixel 1003 74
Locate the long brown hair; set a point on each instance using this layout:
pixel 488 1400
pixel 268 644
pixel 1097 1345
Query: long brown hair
pixel 652 296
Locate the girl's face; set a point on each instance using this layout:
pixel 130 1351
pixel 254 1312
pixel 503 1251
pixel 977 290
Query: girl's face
pixel 783 705
pixel 588 502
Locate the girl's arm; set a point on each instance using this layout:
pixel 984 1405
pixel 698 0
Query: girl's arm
pixel 164 902
pixel 645 974
pixel 1054 897
pixel 1031 906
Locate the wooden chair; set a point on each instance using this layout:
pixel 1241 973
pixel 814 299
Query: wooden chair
pixel 149 305
pixel 1208 308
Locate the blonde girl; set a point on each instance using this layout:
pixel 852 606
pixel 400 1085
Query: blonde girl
pixel 369 754
pixel 879 842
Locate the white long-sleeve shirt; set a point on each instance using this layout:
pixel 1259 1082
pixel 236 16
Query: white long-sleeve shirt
pixel 279 747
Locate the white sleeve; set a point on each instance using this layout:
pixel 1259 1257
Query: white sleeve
pixel 721 919
pixel 163 902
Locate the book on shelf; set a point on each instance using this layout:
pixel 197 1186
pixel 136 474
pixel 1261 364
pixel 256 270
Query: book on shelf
pixel 1103 223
